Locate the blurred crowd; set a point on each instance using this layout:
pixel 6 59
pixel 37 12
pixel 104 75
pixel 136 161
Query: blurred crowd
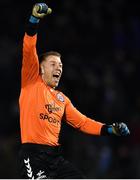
pixel 100 46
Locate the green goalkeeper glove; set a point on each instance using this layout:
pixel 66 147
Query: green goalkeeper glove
pixel 39 11
pixel 119 129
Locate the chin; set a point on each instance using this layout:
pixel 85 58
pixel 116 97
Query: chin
pixel 54 85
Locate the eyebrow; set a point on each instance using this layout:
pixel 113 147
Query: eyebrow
pixel 52 61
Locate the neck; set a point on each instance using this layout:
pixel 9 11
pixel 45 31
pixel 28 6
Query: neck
pixel 42 77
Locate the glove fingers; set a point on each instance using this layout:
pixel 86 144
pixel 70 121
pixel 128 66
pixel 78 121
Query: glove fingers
pixel 121 129
pixel 124 130
pixel 36 13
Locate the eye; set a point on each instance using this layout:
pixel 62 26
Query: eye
pixel 60 65
pixel 53 64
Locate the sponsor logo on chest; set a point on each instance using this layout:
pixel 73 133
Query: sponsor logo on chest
pixel 52 107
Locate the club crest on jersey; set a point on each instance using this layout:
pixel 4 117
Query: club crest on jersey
pixel 60 97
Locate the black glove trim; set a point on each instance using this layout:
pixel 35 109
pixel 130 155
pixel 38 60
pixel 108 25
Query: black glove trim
pixel 104 130
pixel 31 28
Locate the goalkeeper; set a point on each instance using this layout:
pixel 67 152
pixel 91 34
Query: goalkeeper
pixel 42 109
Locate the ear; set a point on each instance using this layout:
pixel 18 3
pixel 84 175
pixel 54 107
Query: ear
pixel 42 70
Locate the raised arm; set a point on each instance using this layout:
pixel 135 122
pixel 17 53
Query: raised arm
pixel 30 62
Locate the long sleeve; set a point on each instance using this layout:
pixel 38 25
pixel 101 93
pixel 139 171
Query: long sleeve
pixel 80 121
pixel 30 62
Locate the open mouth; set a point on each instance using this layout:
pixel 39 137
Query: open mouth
pixel 56 75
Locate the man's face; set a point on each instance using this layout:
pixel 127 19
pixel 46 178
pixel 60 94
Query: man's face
pixel 51 69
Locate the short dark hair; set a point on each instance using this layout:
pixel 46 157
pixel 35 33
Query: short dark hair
pixel 43 56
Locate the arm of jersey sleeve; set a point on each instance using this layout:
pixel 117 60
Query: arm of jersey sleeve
pixel 30 62
pixel 80 121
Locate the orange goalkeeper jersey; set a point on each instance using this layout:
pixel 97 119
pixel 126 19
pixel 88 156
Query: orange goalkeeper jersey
pixel 42 107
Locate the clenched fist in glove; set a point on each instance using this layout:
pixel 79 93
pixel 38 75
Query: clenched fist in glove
pixel 39 11
pixel 119 129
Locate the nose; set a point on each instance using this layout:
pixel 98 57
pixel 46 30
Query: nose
pixel 59 68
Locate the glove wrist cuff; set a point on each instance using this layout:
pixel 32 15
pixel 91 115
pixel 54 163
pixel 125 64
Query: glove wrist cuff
pixel 34 20
pixel 110 130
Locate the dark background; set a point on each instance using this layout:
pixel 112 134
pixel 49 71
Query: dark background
pixel 100 45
